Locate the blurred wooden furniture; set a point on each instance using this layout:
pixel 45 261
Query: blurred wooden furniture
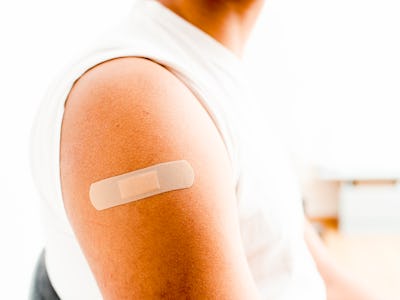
pixel 368 199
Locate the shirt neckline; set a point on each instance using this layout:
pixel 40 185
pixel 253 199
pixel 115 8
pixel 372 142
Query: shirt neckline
pixel 210 47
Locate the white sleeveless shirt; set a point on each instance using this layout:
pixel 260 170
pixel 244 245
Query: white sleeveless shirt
pixel 269 202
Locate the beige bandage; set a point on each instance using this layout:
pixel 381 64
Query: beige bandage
pixel 143 183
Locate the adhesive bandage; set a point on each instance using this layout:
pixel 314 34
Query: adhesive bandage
pixel 143 183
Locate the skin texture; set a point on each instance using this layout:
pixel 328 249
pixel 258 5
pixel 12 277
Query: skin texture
pixel 130 113
pixel 127 114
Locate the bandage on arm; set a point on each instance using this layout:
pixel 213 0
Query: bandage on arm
pixel 131 114
pixel 140 184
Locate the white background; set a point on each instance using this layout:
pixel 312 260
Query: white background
pixel 329 73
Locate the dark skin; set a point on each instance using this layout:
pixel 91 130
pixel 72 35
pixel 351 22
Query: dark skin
pixel 121 116
pixel 229 21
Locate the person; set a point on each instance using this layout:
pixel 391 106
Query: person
pixel 167 84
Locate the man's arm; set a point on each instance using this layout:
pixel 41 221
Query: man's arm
pixel 339 284
pixel 128 114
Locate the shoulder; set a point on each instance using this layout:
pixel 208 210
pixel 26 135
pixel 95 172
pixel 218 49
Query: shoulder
pixel 136 107
pixel 125 115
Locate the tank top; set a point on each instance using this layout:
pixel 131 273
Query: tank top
pixel 268 198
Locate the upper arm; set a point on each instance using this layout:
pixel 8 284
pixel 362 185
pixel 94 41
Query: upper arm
pixel 128 114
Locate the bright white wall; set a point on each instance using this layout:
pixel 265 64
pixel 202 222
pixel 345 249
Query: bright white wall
pixel 329 72
pixel 37 39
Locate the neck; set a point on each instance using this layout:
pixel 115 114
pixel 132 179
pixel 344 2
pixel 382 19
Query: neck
pixel 228 21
